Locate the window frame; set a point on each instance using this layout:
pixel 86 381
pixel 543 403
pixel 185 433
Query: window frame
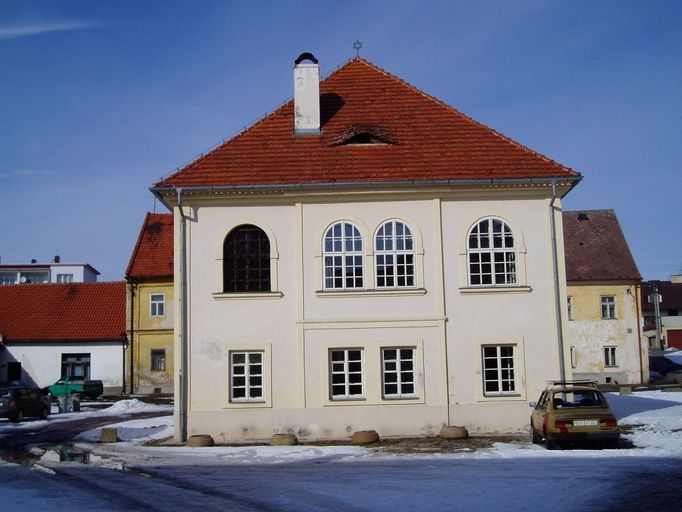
pixel 569 307
pixel 399 395
pixel 608 308
pixel 157 355
pixel 255 261
pixel 610 356
pixel 247 399
pixel 395 253
pixel 515 380
pixel 82 359
pixel 343 254
pixel 346 396
pixel 492 251
pixel 154 304
pixel 64 278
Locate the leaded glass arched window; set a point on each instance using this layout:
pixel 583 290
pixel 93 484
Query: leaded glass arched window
pixel 343 257
pixel 491 253
pixel 394 255
pixel 246 260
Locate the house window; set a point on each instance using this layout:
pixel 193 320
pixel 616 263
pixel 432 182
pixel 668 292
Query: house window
pixel 246 376
pixel 76 366
pixel 608 307
pixel 398 372
pixel 246 260
pixel 65 278
pixel 574 358
pixel 343 257
pixel 8 277
pixel 394 255
pixel 157 304
pixel 610 356
pixel 569 301
pixel 499 376
pixel 491 254
pixel 158 360
pixel 345 373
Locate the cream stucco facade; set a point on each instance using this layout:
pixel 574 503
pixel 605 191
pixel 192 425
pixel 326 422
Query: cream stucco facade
pixel 442 319
pixel 607 347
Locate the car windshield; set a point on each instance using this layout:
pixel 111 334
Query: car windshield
pixel 578 398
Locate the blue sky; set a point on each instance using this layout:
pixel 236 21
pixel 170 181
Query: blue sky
pixel 98 100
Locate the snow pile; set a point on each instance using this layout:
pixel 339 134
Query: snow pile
pixel 126 406
pixel 135 431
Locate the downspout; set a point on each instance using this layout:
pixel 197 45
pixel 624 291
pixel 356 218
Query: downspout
pixel 557 289
pixel 183 370
pixel 639 334
pixel 131 353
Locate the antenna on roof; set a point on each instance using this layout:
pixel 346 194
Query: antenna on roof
pixel 357 45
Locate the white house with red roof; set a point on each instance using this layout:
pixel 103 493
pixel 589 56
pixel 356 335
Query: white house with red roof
pixel 365 257
pixel 48 331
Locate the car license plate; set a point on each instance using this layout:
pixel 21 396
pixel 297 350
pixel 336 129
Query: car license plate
pixel 585 423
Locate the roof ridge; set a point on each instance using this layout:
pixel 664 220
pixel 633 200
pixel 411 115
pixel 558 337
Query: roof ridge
pixel 460 113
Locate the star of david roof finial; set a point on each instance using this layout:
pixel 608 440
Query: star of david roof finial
pixel 357 45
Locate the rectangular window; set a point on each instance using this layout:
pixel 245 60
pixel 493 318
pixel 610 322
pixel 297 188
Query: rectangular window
pixel 76 366
pixel 608 307
pixel 246 376
pixel 499 376
pixel 345 373
pixel 158 360
pixel 157 304
pixel 398 372
pixel 610 356
pixel 574 358
pixel 65 278
pixel 569 301
pixel 8 278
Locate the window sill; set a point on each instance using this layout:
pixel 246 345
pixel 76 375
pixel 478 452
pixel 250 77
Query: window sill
pixel 392 292
pixel 247 295
pixel 494 289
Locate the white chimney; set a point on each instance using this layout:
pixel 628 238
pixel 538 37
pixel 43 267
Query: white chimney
pixel 306 95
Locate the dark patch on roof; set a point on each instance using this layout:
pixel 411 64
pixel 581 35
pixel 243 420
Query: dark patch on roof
pixel 596 249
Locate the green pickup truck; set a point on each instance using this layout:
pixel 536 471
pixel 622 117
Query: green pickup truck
pixel 66 386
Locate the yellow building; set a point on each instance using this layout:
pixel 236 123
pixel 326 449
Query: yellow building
pixel 604 300
pixel 149 311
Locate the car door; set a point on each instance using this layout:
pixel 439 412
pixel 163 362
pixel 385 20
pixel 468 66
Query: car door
pixel 538 414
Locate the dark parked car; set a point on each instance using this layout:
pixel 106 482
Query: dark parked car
pixel 18 402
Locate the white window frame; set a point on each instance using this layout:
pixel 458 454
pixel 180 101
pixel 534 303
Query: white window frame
pixel 569 305
pixel 65 278
pixel 160 355
pixel 402 246
pixel 247 374
pixel 498 370
pixel 339 251
pixel 155 304
pixel 342 367
pixel 610 360
pixel 401 381
pixel 508 254
pixel 608 307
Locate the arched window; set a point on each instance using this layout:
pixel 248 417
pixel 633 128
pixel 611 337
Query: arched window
pixel 246 260
pixel 491 253
pixel 343 257
pixel 394 255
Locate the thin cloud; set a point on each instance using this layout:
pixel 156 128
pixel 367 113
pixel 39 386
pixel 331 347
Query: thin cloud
pixel 37 29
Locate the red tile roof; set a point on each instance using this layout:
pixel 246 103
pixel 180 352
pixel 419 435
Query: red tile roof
pixel 425 139
pixel 596 249
pixel 671 295
pixel 153 252
pixel 63 312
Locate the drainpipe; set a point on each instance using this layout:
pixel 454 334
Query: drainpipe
pixel 131 344
pixel 557 290
pixel 639 334
pixel 183 370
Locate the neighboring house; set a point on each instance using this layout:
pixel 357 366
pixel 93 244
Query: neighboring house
pixel 53 272
pixel 670 311
pixel 50 331
pixel 149 310
pixel 603 300
pixel 365 257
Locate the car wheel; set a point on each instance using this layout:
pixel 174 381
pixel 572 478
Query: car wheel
pixel 549 444
pixel 44 413
pixel 18 417
pixel 535 437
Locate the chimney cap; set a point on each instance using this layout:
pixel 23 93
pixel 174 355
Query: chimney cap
pixel 306 55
